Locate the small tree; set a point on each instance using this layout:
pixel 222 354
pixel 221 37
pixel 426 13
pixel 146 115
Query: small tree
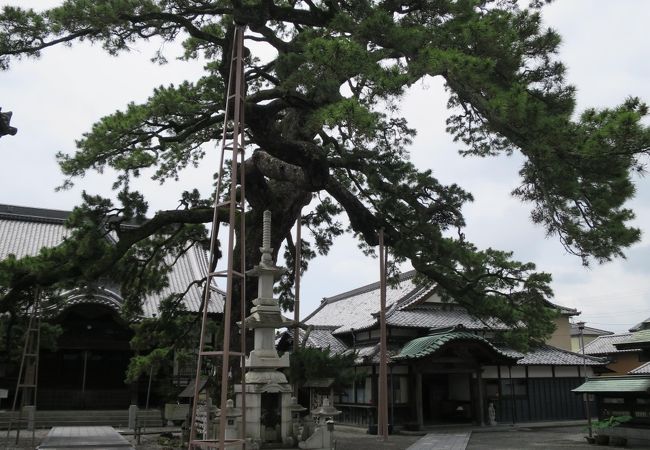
pixel 313 363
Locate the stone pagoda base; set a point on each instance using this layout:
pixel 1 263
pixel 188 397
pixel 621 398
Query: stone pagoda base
pixel 266 402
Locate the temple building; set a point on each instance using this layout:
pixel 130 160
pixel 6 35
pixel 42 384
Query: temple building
pixel 444 365
pixel 87 369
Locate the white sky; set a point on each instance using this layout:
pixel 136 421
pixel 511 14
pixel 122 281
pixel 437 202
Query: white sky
pixel 58 97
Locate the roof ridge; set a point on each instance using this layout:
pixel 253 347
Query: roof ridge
pixel 28 213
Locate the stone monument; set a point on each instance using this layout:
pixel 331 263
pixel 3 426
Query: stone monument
pixel 268 394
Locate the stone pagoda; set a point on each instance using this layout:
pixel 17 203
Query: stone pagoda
pixel 268 394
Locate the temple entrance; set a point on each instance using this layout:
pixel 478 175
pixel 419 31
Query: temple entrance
pixel 446 398
pixel 88 368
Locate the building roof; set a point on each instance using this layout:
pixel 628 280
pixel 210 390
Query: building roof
pixel 641 325
pixel 356 309
pixel 25 231
pixel 440 316
pixel 408 305
pixel 547 355
pixel 431 344
pixel 643 369
pixel 24 235
pixel 323 338
pixel 638 339
pixel 588 331
pixel 616 384
pixel 604 345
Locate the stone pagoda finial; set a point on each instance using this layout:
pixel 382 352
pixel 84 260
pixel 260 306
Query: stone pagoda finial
pixel 267 251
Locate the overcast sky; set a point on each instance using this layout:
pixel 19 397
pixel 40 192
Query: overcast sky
pixel 605 47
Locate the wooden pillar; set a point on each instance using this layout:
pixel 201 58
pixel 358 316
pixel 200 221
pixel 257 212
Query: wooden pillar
pixel 418 399
pixel 480 394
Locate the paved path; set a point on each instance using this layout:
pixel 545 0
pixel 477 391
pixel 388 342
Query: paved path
pixel 78 438
pixel 442 441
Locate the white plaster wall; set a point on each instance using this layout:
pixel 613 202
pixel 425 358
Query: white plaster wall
pixel 540 372
pixel 516 371
pixel 566 371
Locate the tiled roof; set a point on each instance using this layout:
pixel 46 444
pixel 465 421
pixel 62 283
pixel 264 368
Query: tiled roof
pixel 604 345
pixel 641 325
pixel 639 338
pixel 564 310
pixel 623 383
pixel 439 316
pixel 406 306
pixel 24 231
pixel 369 354
pixel 190 267
pixel 355 309
pixel 26 238
pixel 323 338
pixel 643 369
pixel 429 345
pixel 588 331
pixel 547 355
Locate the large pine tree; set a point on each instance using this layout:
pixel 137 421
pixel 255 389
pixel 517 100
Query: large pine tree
pixel 322 134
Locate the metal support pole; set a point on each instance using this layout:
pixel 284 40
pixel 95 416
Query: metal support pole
pixel 581 328
pixel 382 414
pixel 296 303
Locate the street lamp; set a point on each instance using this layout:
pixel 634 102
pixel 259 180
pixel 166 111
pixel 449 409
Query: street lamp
pixel 581 329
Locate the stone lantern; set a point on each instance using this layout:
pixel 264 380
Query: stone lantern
pixel 231 414
pixel 324 412
pixel 296 409
pixel 324 420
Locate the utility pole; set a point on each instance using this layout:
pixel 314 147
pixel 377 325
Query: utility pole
pixel 581 328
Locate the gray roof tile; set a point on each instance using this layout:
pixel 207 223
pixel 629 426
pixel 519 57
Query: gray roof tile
pixel 355 309
pixel 190 267
pixel 24 231
pixel 323 338
pixel 588 331
pixel 405 307
pixel 604 345
pixel 643 369
pixel 439 316
pixel 26 238
pixel 547 355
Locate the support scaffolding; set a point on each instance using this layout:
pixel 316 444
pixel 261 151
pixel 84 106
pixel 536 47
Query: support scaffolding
pixel 27 383
pixel 233 140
